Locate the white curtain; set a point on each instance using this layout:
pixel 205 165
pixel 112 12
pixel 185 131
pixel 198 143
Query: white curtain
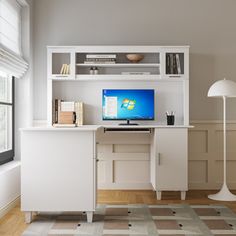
pixel 11 60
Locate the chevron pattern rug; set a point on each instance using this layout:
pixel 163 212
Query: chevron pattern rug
pixel 139 220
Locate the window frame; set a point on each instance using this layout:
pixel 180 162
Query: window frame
pixel 8 156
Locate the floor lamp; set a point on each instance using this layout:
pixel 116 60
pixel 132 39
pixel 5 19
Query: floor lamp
pixel 223 88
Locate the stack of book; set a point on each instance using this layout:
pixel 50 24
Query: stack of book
pixel 67 113
pixel 65 69
pixel 173 63
pixel 100 58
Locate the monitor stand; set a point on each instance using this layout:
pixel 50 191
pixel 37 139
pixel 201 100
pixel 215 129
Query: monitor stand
pixel 128 123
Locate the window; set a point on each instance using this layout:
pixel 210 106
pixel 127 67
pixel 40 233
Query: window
pixel 10 25
pixel 6 118
pixel 11 58
pixel 12 65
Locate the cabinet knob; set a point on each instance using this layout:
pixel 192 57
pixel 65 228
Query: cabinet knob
pixel 97 160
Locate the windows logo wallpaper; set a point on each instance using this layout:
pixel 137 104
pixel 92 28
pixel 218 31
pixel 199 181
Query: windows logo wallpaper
pixel 128 104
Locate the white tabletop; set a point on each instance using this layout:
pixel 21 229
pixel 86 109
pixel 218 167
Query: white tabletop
pixel 51 128
pixel 96 127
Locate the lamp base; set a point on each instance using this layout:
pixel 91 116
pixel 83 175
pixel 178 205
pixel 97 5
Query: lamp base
pixel 223 195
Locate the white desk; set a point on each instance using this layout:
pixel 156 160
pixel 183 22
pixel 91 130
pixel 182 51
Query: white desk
pixel 58 171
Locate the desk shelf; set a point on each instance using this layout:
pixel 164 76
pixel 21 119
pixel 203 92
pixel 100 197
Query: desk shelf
pixel 124 78
pixel 129 65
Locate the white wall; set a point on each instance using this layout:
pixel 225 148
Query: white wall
pixel 9 185
pixel 208 26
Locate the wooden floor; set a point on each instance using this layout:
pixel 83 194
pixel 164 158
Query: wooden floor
pixel 13 223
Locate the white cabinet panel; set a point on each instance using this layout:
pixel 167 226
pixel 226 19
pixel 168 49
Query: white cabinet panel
pixel 58 172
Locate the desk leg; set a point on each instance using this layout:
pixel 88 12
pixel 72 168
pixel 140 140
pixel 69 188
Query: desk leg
pixel 183 195
pixel 28 217
pixel 89 216
pixel 158 195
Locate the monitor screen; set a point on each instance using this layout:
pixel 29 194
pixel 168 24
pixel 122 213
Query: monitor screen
pixel 128 104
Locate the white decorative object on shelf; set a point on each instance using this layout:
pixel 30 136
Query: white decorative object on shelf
pixel 224 89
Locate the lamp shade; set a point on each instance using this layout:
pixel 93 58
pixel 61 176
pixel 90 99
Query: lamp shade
pixel 222 88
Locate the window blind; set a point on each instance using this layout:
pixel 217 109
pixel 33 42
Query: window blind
pixel 11 60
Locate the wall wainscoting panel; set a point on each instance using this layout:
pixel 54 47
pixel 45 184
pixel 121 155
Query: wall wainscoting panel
pixel 206 155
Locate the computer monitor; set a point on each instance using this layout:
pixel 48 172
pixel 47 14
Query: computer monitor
pixel 128 104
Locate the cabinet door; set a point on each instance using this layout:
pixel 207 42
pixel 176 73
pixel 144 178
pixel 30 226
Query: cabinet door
pixel 171 159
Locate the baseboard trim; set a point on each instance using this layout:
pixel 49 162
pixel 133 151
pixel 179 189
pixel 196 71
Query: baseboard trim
pixel 4 210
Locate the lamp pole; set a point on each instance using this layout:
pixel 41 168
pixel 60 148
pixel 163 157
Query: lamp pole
pixel 224 194
pixel 224 134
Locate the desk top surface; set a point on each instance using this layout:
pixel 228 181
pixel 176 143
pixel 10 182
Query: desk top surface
pixel 96 127
pixel 51 128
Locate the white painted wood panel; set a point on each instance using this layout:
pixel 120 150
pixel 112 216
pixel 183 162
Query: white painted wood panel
pixel 124 160
pixel 168 96
pixel 172 162
pixel 136 171
pixel 131 148
pixel 206 155
pixel 58 172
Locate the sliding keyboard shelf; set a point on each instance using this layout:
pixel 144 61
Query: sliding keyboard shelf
pixel 127 130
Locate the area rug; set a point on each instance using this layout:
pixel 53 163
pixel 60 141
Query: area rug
pixel 139 220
